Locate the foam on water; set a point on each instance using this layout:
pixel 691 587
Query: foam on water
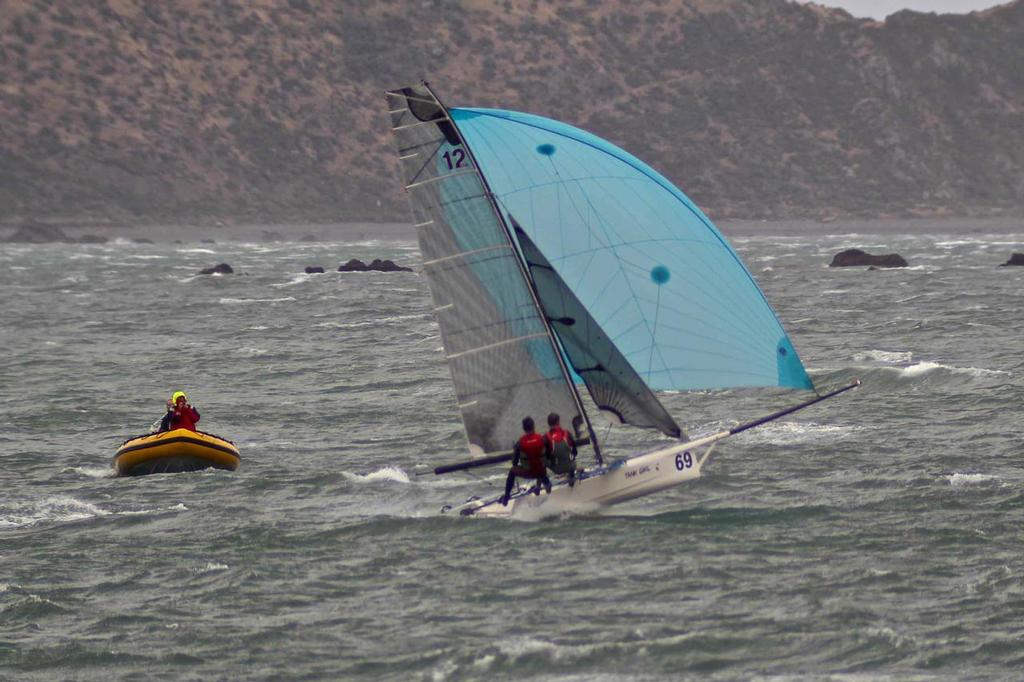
pixel 887 356
pixel 235 301
pixel 93 472
pixel 792 432
pixel 958 480
pixel 389 473
pixel 370 323
pixel 250 352
pixel 55 509
pixel 63 509
pixel 926 367
pixel 300 278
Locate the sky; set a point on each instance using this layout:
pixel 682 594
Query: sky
pixel 879 9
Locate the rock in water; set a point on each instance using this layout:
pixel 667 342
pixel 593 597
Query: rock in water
pixel 353 265
pixel 313 269
pixel 387 266
pixel 222 269
pixel 1015 259
pixel 856 257
pixel 378 265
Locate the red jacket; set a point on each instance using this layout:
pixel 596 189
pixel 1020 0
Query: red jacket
pixel 556 434
pixel 185 419
pixel 532 447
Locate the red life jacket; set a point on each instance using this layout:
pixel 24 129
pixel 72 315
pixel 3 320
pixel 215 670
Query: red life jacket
pixel 559 435
pixel 532 447
pixel 185 419
pixel 560 459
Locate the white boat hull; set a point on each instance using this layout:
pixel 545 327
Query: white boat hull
pixel 621 481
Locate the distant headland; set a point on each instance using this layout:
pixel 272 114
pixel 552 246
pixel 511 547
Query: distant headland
pixel 180 112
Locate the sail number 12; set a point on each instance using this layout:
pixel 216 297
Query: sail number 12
pixel 684 460
pixel 456 158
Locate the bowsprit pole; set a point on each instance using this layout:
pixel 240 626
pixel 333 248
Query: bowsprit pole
pixel 473 463
pixel 790 410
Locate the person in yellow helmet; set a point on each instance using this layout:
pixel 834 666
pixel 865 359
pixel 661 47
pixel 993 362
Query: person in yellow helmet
pixel 180 415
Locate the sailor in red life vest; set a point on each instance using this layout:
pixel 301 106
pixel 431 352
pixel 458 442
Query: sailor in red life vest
pixel 184 416
pixel 534 449
pixel 562 449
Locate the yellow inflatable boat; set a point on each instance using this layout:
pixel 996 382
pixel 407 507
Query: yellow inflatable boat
pixel 173 452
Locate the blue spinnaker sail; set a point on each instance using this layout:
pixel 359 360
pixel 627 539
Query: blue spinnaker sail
pixel 648 265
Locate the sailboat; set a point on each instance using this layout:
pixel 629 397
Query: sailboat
pixel 557 260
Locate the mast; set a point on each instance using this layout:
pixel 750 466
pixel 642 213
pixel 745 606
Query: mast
pixel 526 278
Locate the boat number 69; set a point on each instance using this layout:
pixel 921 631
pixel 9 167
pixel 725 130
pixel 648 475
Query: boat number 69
pixel 684 460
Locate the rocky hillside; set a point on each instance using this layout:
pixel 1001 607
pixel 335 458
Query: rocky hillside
pixel 273 110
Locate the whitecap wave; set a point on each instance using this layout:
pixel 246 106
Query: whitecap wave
pixel 791 432
pixel 158 510
pixel 64 509
pixel 208 251
pixel 389 473
pixel 57 509
pixel 369 323
pixel 300 278
pixel 925 367
pixel 889 356
pixel 957 480
pixel 249 352
pixel 233 301
pixel 210 567
pixel 93 472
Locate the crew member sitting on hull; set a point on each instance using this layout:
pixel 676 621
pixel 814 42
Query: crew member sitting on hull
pixel 534 448
pixel 561 448
pixel 181 415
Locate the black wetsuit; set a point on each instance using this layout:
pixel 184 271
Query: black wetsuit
pixel 535 449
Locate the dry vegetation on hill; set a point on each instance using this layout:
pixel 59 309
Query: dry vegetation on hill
pixel 272 110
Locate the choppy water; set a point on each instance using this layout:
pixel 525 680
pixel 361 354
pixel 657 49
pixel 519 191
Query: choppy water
pixel 878 536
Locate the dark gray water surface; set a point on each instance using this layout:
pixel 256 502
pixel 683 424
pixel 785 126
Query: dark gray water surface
pixel 877 536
